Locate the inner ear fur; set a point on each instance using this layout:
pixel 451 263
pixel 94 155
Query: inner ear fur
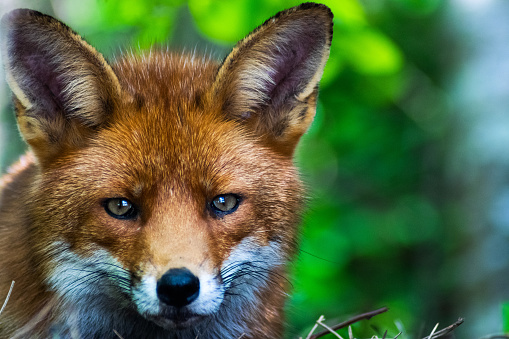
pixel 63 88
pixel 270 79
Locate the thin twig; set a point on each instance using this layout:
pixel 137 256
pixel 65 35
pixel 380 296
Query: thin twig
pixel 353 320
pixel 7 298
pixel 118 334
pixel 433 331
pixel 313 329
pixel 320 322
pixel 446 330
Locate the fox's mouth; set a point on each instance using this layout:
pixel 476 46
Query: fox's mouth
pixel 179 319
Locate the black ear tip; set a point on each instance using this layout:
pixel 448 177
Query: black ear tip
pixel 19 15
pixel 314 5
pixel 322 12
pixel 11 21
pixel 8 18
pixel 317 7
pixel 15 14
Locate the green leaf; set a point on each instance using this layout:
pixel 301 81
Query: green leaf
pixel 505 317
pixel 369 51
pixel 347 12
pixel 229 21
pixel 420 7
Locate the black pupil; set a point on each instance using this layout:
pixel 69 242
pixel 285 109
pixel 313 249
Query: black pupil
pixel 225 203
pixel 119 206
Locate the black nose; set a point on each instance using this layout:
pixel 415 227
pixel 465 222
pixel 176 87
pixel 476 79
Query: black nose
pixel 178 287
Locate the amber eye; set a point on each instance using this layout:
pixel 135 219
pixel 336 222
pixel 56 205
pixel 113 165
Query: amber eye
pixel 120 208
pixel 225 203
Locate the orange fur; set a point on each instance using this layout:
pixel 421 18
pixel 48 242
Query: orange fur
pixel 169 133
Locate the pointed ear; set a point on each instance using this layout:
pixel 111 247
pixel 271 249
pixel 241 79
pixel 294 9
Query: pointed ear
pixel 269 81
pixel 63 89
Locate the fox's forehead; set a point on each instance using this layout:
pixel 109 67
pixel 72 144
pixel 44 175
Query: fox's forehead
pixel 167 112
pixel 160 79
pixel 175 148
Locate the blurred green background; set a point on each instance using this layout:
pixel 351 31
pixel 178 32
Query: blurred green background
pixel 405 162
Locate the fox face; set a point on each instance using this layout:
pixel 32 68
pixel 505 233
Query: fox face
pixel 159 196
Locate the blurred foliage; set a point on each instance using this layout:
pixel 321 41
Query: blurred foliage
pixel 505 319
pixel 372 235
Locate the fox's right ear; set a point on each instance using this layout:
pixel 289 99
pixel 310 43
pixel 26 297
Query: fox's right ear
pixel 63 88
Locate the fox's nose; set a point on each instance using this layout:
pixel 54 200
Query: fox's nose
pixel 178 287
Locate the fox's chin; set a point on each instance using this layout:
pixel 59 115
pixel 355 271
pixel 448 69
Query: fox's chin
pixel 177 320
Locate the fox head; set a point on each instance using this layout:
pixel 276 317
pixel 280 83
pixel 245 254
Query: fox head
pixel 164 194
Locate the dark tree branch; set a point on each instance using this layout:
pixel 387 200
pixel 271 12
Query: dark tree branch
pixel 371 314
pixel 351 321
pixel 446 330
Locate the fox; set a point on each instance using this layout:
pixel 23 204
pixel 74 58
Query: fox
pixel 159 196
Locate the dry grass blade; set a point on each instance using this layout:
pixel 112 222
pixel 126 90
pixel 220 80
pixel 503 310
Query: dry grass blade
pixel 315 326
pixel 330 330
pixel 118 334
pixel 433 331
pixel 349 322
pixel 445 331
pixel 7 298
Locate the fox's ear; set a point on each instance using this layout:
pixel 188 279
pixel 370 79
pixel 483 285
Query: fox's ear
pixel 270 79
pixel 63 89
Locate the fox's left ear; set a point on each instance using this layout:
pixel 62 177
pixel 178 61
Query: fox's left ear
pixel 270 79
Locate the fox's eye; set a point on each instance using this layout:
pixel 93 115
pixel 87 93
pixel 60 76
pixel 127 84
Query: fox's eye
pixel 225 203
pixel 120 208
